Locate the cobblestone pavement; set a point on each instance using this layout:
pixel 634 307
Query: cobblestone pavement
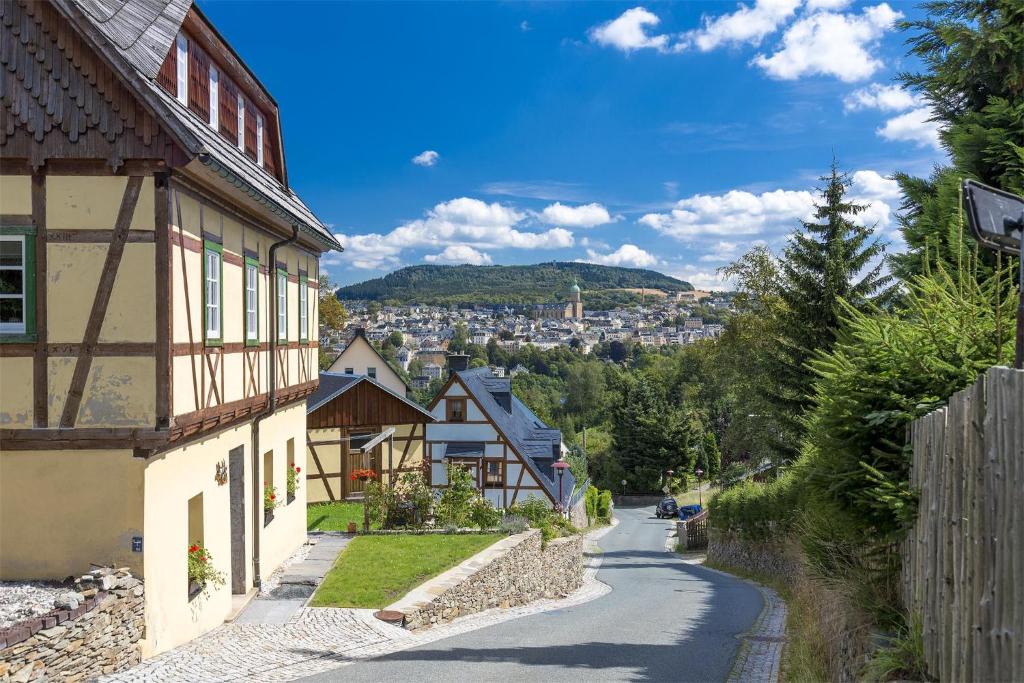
pixel 320 639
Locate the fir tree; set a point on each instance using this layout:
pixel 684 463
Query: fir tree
pixel 827 262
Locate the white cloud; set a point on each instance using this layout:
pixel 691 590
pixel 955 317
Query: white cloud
pixel 832 44
pixel 736 212
pixel 725 250
pixel 583 216
pixel 628 32
pixel 873 185
pixel 700 277
pixel 913 126
pixel 628 255
pixel 459 222
pixel 881 97
pixel 827 4
pixel 426 158
pixel 747 25
pixel 460 253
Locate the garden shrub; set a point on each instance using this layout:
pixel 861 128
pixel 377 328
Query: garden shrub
pixel 454 507
pixel 604 506
pixel 406 505
pixel 590 500
pixel 483 515
pixel 514 524
pixel 758 511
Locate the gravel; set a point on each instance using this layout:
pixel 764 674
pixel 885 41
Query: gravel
pixel 20 600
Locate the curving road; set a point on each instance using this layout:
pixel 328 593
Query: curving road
pixel 664 620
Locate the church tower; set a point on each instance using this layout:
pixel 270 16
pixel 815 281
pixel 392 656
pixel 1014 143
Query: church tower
pixel 576 301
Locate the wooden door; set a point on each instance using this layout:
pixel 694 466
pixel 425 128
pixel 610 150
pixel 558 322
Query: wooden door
pixel 355 459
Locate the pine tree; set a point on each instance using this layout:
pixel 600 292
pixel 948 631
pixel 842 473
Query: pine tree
pixel 712 455
pixel 649 436
pixel 828 262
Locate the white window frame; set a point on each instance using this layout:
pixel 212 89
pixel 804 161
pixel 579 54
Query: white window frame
pixel 213 282
pixel 252 302
pixel 181 45
pixel 303 309
pixel 282 305
pixel 241 122
pixel 259 138
pixel 214 97
pixel 22 327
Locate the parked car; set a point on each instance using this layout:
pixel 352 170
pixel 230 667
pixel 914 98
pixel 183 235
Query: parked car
pixel 667 508
pixel 688 511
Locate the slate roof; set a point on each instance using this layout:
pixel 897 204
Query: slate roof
pixel 527 433
pixel 137 36
pixel 334 384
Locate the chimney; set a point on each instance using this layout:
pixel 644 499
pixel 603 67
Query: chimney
pixel 457 362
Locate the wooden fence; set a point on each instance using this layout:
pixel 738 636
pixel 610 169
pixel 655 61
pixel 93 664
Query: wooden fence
pixel 693 532
pixel 963 562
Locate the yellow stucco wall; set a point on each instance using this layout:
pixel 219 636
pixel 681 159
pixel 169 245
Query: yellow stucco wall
pixel 16 194
pixel 62 510
pixel 92 202
pixel 171 480
pixel 16 392
pixel 360 355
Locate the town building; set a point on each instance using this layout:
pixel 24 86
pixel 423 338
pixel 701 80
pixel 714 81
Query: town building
pixel 480 425
pixel 360 357
pixel 571 309
pixel 158 337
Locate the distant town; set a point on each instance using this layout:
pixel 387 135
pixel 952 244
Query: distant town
pixel 422 335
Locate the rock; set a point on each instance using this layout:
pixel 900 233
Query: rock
pixel 68 600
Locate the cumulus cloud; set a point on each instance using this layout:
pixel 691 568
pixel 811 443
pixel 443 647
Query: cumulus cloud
pixel 628 255
pixel 832 44
pixel 460 253
pixel 913 126
pixel 881 97
pixel 747 25
pixel 426 158
pixel 583 216
pixel 464 221
pixel 700 277
pixel 739 213
pixel 628 32
pixel 736 212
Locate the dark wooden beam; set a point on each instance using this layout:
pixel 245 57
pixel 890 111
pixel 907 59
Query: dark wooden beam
pixel 40 369
pixel 99 305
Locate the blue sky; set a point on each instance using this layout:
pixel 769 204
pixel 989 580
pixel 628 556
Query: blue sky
pixel 668 135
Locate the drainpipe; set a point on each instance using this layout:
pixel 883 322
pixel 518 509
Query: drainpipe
pixel 257 490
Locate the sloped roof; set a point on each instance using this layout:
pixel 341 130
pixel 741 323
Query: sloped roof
pixel 334 384
pixel 527 433
pixel 136 36
pixel 143 30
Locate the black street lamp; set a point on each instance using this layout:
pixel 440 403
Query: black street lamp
pixel 561 466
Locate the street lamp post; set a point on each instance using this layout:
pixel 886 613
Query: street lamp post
pixel 561 466
pixel 700 497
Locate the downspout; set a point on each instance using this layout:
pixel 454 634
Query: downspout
pixel 257 490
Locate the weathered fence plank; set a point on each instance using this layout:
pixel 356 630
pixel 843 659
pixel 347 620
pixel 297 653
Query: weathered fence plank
pixel 963 561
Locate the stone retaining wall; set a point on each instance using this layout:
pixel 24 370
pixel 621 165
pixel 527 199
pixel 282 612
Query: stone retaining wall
pixel 774 559
pixel 513 571
pixel 97 635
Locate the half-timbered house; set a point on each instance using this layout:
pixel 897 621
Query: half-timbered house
pixel 482 426
pixel 158 308
pixel 356 422
pixel 360 357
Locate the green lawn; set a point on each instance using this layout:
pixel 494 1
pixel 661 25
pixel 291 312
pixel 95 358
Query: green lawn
pixel 374 571
pixel 333 516
pixel 692 497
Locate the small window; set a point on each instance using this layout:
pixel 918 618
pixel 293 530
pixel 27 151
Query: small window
pixel 259 138
pixel 213 292
pixel 371 373
pixel 196 537
pixel 493 477
pixel 456 408
pixel 214 94
pixel 17 285
pixel 291 474
pixel 252 301
pixel 282 305
pixel 350 371
pixel 241 122
pixel 270 495
pixel 181 45
pixel 303 307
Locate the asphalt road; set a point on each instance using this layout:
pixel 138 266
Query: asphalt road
pixel 664 620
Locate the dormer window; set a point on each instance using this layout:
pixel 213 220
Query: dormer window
pixel 214 96
pixel 259 138
pixel 181 55
pixel 241 122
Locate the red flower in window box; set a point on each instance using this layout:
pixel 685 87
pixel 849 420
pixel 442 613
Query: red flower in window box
pixel 363 475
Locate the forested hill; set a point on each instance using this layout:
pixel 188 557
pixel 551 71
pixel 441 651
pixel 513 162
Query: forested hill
pixel 539 283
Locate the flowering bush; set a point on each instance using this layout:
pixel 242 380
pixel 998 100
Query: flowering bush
pixel 269 497
pixel 363 474
pixel 292 479
pixel 200 567
pixel 454 507
pixel 407 504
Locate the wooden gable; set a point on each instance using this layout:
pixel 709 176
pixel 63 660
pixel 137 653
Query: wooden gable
pixel 364 404
pixel 62 100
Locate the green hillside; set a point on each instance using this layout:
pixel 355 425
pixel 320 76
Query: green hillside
pixel 540 283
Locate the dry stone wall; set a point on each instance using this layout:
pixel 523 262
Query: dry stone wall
pixel 94 631
pixel 516 574
pixel 779 560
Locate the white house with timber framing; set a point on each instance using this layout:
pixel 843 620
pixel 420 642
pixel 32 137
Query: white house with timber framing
pixel 482 426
